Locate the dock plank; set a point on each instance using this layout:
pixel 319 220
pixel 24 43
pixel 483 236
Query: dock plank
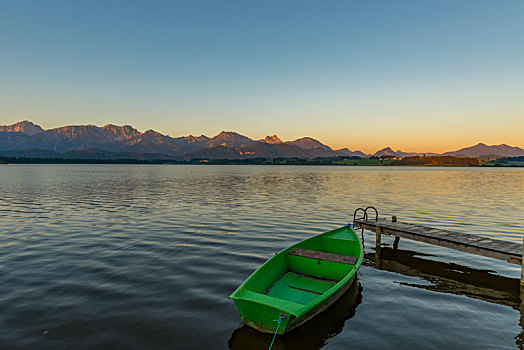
pixel 475 244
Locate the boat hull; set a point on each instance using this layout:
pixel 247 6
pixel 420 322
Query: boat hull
pixel 300 282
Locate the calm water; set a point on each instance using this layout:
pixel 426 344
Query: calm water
pixel 144 257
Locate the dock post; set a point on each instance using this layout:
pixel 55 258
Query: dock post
pixel 377 247
pixel 397 239
pixel 522 268
pixel 378 239
pixel 395 242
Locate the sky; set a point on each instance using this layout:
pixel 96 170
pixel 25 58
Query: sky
pixel 421 76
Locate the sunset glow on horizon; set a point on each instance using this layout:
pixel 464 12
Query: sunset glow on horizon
pixel 420 77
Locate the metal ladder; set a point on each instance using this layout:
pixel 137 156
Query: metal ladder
pixel 364 217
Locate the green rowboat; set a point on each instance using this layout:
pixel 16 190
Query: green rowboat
pixel 300 282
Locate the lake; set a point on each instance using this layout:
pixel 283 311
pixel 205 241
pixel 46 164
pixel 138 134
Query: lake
pixel 145 257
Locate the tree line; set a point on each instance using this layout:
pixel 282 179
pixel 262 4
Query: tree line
pixel 340 160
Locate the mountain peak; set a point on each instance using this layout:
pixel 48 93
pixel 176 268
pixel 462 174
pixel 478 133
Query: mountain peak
pixel 229 139
pixel 481 150
pixel 24 126
pixel 306 138
pixel 228 134
pixel 272 139
pixel 152 132
pixel 126 131
pixel 347 152
pixel 308 143
pixel 386 151
pixel 192 138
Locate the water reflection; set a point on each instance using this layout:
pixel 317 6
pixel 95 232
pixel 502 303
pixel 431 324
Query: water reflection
pixel 312 335
pixel 453 279
pixel 448 277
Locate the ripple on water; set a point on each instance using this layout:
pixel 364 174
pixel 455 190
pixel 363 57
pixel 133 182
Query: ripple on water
pixel 139 257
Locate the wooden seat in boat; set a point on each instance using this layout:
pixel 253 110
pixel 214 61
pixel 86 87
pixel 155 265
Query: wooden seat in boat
pixel 314 254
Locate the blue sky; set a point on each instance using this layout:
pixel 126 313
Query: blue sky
pixel 415 75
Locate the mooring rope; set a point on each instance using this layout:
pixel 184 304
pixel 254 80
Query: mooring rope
pixel 280 318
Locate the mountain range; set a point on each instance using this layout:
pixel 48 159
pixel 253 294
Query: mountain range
pixel 111 141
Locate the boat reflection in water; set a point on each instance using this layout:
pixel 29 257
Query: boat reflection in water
pixel 443 277
pixel 311 335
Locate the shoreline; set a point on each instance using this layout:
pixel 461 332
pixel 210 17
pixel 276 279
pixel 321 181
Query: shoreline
pixel 279 161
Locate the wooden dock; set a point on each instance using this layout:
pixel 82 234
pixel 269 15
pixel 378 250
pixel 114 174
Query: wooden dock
pixel 474 244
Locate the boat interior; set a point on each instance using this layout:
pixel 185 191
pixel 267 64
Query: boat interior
pixel 303 273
